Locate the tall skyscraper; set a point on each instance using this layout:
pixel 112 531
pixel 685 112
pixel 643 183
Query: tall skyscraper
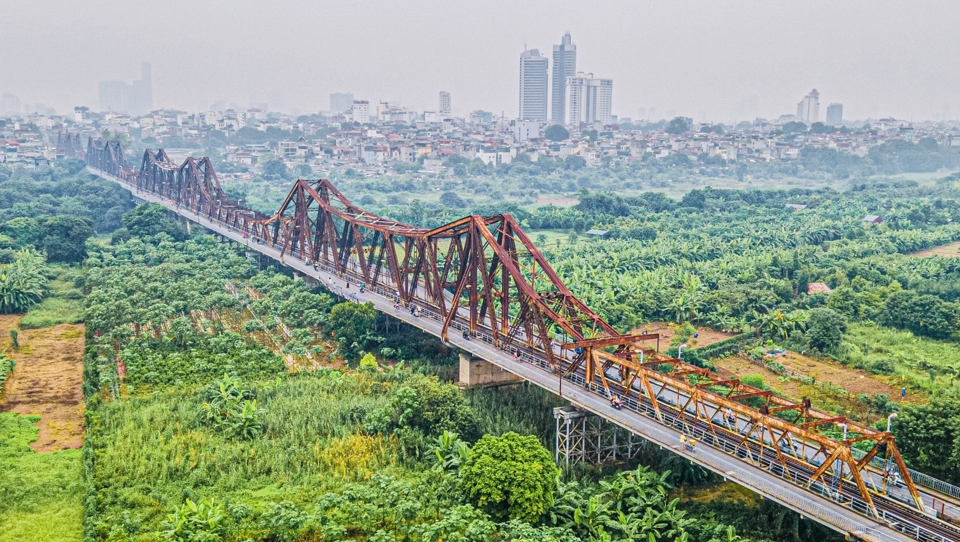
pixel 589 99
pixel 533 86
pixel 444 104
pixel 10 104
pixel 141 97
pixel 112 94
pixel 340 102
pixel 135 98
pixel 809 107
pixel 564 65
pixel 835 114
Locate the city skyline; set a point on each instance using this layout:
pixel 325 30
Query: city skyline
pixel 878 58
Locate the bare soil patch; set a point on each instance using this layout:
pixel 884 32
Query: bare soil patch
pixel 950 250
pixel 854 381
pixel 47 381
pixel 737 366
pixel 705 336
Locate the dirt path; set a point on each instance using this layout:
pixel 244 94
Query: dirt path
pixel 47 381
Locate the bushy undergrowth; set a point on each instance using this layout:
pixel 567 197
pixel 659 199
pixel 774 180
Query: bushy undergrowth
pixel 63 303
pixel 40 494
pixel 207 437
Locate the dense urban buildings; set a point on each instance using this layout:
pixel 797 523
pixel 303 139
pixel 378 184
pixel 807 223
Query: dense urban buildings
pixel 564 66
pixel 808 110
pixel 835 114
pixel 340 102
pixel 533 86
pixel 134 98
pixel 444 110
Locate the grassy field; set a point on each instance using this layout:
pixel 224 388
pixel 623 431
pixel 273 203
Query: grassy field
pixel 63 304
pixel 41 495
pixel 919 364
pixel 550 238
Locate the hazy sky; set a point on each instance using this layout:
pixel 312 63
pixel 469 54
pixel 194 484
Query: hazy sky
pixel 877 57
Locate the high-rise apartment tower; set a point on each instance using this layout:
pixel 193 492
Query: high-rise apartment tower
pixel 564 65
pixel 589 99
pixel 835 114
pixel 809 107
pixel 444 104
pixel 533 86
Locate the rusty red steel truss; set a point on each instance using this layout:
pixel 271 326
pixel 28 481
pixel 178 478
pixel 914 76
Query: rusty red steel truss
pixel 70 146
pixel 485 274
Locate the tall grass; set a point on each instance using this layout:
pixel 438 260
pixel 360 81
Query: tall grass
pixel 919 363
pixel 152 452
pixel 40 494
pixel 63 303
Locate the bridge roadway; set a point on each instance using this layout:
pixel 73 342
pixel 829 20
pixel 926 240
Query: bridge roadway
pixel 638 418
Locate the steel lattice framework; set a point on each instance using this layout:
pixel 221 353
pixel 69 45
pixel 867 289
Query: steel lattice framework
pixel 484 274
pixel 70 146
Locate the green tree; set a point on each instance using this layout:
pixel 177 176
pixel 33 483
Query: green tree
pixel 825 328
pixel 25 231
pixel 794 127
pixel 556 132
pixel 574 162
pixel 150 219
pixel 276 170
pixel 678 125
pixel 452 200
pixel 923 314
pixel 22 283
pixel 352 326
pixel 64 238
pixel 302 171
pixel 928 436
pixel 510 477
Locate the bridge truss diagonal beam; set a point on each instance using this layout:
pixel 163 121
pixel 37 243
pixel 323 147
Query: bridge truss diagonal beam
pixel 483 275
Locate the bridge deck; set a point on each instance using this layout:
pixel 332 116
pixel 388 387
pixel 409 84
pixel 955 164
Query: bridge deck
pixel 637 418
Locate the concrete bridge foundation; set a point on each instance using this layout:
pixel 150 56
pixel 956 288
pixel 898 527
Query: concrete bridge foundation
pixel 477 372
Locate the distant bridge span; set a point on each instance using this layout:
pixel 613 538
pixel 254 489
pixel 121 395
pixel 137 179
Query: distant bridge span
pixel 483 276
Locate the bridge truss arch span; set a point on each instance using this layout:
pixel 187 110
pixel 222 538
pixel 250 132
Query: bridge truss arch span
pixel 483 275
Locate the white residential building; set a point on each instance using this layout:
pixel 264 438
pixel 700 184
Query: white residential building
pixel 809 107
pixel 444 104
pixel 526 129
pixel 589 99
pixel 361 111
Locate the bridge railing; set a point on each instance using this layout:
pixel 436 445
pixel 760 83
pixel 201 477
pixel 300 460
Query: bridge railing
pixel 679 423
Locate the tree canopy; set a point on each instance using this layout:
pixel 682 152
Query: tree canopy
pixel 555 132
pixel 510 477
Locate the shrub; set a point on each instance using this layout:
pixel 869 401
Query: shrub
pixel 6 367
pixel 825 329
pixel 510 477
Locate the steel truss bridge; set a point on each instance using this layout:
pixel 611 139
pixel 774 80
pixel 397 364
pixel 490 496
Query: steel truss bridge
pixel 481 285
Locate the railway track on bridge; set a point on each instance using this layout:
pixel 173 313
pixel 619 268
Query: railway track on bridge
pixel 483 276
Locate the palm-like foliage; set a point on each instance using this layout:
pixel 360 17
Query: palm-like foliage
pixel 22 283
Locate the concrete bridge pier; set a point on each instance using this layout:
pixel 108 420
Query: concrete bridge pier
pixel 477 372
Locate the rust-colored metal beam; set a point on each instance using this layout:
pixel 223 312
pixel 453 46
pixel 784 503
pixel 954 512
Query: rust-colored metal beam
pixel 484 273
